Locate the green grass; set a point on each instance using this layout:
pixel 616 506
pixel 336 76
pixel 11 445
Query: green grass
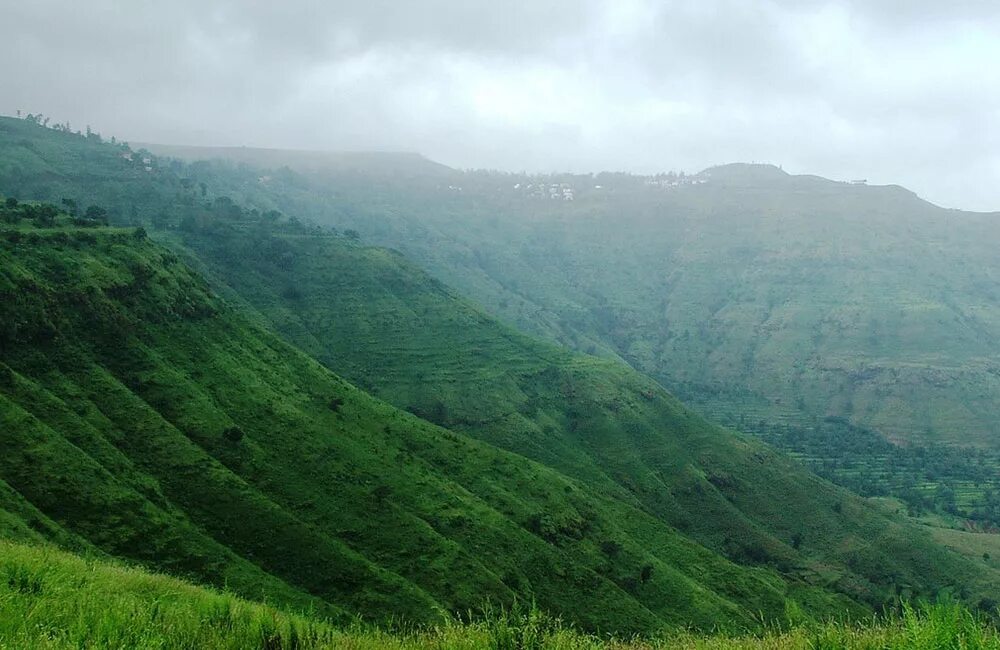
pixel 373 317
pixel 51 599
pixel 554 477
pixel 122 373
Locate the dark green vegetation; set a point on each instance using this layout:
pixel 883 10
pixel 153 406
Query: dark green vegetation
pixel 49 599
pixel 956 481
pixel 382 324
pixel 754 293
pixel 145 418
pixel 168 426
pixel 755 296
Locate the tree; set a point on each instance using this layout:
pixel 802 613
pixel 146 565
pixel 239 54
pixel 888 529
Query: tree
pixel 96 213
pixel 610 548
pixel 71 207
pixel 646 573
pixel 45 215
pixel 233 434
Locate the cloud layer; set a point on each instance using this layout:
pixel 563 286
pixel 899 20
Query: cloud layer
pixel 895 91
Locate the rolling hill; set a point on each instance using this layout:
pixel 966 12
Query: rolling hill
pixel 147 419
pixel 748 292
pixel 851 325
pixel 170 426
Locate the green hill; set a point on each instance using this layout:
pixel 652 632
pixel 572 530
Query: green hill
pixel 826 317
pixel 165 425
pixel 745 290
pixel 755 293
pixel 380 322
pixel 50 599
pixel 154 422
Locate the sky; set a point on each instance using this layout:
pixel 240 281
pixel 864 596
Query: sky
pixel 894 91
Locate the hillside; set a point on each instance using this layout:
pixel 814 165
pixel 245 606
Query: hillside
pixel 383 324
pixel 825 317
pixel 749 293
pixel 637 501
pixel 154 422
pixel 758 294
pixel 50 599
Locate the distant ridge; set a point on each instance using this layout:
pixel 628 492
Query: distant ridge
pixel 308 161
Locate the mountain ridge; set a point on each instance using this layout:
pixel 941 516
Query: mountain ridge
pixel 642 468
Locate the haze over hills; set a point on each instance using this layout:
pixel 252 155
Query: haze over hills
pixel 749 292
pixel 465 325
pixel 828 317
pixel 553 471
pixel 379 162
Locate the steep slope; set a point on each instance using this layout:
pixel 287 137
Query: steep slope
pixel 648 460
pixel 753 295
pixel 380 322
pixel 765 295
pixel 827 318
pixel 51 599
pixel 146 417
pixel 748 293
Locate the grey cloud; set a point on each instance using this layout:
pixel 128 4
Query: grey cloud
pixel 898 91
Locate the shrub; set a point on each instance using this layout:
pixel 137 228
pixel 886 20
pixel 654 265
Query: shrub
pixel 646 572
pixel 611 549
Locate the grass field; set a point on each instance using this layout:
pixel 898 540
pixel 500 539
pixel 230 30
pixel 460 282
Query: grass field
pixel 50 599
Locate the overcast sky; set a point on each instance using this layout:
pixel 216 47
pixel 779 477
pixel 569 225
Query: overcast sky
pixel 896 91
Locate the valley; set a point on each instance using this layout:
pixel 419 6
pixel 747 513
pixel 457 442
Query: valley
pixel 227 381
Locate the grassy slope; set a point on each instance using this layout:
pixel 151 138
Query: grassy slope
pixel 595 421
pixel 121 373
pixel 376 319
pixel 756 293
pixel 50 599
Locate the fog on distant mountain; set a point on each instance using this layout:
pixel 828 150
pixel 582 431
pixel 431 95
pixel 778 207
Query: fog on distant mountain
pixel 891 91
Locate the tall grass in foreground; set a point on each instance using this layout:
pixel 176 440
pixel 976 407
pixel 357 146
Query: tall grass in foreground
pixel 50 599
